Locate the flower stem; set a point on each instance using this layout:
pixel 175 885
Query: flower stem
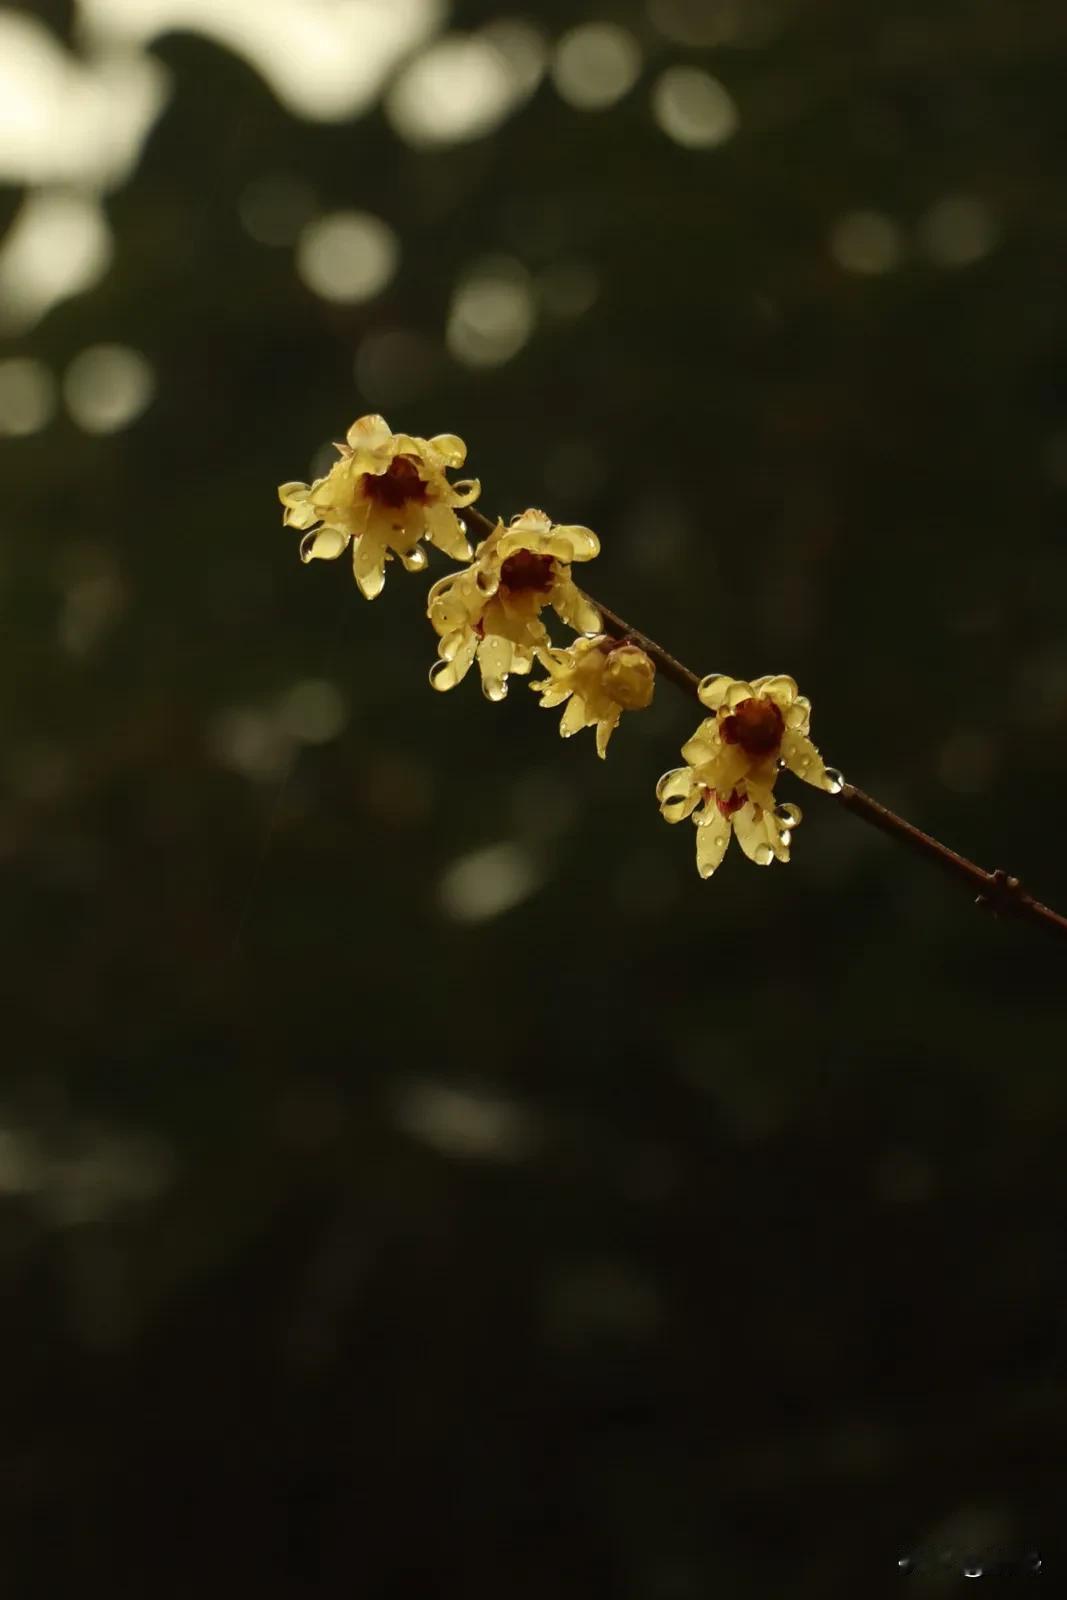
pixel 995 891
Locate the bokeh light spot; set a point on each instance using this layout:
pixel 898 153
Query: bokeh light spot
pixel 461 87
pixel 866 242
pixel 107 387
pixel 492 313
pixel 313 711
pixel 58 245
pixel 347 256
pixel 693 108
pixel 486 883
pixel 595 64
pixel 957 231
pixel 27 397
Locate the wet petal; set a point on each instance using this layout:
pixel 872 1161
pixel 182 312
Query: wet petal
pixel 572 607
pixel 711 846
pixel 495 661
pixel 712 690
pixel 604 730
pixel 325 544
pixel 368 561
pixel 465 492
pixel 450 447
pixel 445 674
pixel 801 757
pixel 447 532
pixel 574 718
pixel 370 433
pixel 753 834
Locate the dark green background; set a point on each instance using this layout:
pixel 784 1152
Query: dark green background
pixel 750 1278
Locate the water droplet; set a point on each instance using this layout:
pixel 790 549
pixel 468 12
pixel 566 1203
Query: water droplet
pixel 763 855
pixel 437 672
pixel 972 1570
pixel 495 689
pixel 834 780
pixel 906 1564
pixel 788 816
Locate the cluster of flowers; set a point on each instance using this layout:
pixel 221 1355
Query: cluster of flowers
pixel 389 491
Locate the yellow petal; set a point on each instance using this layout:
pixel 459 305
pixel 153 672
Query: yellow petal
pixel 604 730
pixel 572 607
pixel 574 718
pixel 712 689
pixel 445 674
pixel 450 447
pixel 371 433
pixel 757 834
pixel 447 532
pixel 495 661
pixel 711 846
pixel 801 757
pixel 368 561
pixel 325 544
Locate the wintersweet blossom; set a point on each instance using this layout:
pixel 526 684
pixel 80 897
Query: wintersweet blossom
pixel 732 763
pixel 386 492
pixel 599 678
pixel 491 611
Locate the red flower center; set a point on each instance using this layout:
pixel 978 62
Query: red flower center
pixel 396 486
pixel 756 725
pixel 524 571
pixel 730 803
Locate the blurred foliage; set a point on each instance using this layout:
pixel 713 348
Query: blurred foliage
pixel 645 1238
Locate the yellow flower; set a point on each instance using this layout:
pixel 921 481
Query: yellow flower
pixel 491 611
pixel 733 761
pixel 382 496
pixel 599 678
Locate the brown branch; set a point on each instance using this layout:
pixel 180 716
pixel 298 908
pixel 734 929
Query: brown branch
pixel 996 891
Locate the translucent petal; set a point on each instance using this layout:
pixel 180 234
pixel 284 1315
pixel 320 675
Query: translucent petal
pixel 736 693
pixel 495 661
pixel 604 730
pixel 447 532
pixel 299 512
pixel 368 561
pixel 445 674
pixel 711 846
pixel 465 492
pixel 574 717
pixel 450 448
pixel 800 756
pixel 573 543
pixel 752 834
pixel 712 689
pixel 325 544
pixel 369 433
pixel 781 689
pixel 572 607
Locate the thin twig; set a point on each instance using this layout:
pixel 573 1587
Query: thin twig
pixel 997 891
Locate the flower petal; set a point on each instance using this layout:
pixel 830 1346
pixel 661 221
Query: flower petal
pixel 325 544
pixel 495 661
pixel 753 834
pixel 711 846
pixel 453 668
pixel 712 689
pixel 368 562
pixel 604 730
pixel 447 532
pixel 371 433
pixel 450 447
pixel 574 718
pixel 801 757
pixel 572 607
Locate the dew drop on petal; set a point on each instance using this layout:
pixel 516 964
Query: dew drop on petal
pixel 834 780
pixel 788 816
pixel 763 855
pixel 495 689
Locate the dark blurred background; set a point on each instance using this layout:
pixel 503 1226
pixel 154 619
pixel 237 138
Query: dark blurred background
pixel 415 1180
